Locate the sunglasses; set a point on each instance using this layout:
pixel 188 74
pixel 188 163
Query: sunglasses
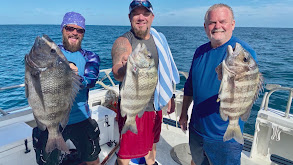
pixel 146 4
pixel 71 29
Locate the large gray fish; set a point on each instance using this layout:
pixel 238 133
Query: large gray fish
pixel 240 87
pixel 51 87
pixel 138 86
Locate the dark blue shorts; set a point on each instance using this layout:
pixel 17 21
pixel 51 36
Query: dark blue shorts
pixel 205 152
pixel 84 135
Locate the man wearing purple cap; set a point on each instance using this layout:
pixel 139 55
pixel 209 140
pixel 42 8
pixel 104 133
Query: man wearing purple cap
pixel 143 144
pixel 81 129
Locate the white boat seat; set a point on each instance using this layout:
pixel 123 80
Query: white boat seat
pixel 14 134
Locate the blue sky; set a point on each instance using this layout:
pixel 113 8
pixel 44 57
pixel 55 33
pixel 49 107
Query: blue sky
pixel 248 13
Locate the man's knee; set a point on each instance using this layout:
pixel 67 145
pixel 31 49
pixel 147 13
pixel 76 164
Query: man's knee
pixel 95 162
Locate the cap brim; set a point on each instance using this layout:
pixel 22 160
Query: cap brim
pixel 141 6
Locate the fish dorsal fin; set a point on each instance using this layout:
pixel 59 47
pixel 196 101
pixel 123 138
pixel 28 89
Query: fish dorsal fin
pixel 76 85
pixel 260 87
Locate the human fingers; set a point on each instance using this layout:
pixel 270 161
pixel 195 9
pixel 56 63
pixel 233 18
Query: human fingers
pixel 73 67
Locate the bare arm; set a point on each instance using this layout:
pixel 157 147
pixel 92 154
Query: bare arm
pixel 120 51
pixel 183 117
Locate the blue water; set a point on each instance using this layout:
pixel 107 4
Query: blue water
pixel 273 46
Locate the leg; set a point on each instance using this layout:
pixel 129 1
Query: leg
pixel 228 153
pixel 39 143
pixel 192 162
pixel 151 156
pixel 138 145
pixel 95 162
pixel 85 137
pixel 196 148
pixel 123 161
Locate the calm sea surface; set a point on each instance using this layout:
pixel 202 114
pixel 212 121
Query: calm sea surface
pixel 273 46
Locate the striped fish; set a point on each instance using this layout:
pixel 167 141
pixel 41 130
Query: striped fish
pixel 138 86
pixel 241 83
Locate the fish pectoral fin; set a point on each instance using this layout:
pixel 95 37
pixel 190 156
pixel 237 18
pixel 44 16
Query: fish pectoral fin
pixel 219 71
pixel 36 82
pixel 233 131
pixel 231 81
pixel 76 85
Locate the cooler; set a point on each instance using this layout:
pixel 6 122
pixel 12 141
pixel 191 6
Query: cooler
pixel 105 119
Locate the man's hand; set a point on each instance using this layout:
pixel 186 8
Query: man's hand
pixel 73 67
pixel 183 121
pixel 171 106
pixel 184 117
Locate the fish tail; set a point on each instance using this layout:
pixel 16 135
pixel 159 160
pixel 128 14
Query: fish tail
pixel 233 131
pixel 56 142
pixel 129 126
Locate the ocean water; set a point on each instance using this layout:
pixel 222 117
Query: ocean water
pixel 273 46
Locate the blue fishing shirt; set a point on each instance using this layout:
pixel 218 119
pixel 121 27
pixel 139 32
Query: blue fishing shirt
pixel 88 64
pixel 203 84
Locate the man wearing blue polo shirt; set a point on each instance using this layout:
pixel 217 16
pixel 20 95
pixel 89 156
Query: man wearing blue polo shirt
pixel 206 127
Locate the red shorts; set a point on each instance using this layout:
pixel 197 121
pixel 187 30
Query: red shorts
pixel 138 145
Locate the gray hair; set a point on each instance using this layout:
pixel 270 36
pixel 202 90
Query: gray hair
pixel 215 6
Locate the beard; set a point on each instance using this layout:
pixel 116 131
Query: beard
pixel 140 33
pixel 71 47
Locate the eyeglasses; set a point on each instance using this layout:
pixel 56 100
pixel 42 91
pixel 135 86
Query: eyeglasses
pixel 146 4
pixel 71 29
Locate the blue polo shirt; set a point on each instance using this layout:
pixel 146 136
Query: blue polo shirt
pixel 203 85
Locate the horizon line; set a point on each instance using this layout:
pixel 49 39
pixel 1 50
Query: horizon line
pixel 153 25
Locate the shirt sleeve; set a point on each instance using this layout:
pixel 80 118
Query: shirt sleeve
pixel 91 72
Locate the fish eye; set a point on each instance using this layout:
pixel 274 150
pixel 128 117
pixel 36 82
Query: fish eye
pixel 53 51
pixel 245 59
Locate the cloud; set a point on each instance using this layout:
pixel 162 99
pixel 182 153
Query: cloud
pixel 181 17
pixel 269 15
pixel 261 15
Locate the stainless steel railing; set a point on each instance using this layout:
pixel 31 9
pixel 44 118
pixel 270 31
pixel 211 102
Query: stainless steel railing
pixel 100 81
pixel 273 88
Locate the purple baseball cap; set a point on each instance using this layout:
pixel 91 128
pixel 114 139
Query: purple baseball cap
pixel 73 18
pixel 140 3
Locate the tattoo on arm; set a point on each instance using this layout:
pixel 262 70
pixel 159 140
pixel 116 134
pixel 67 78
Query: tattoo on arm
pixel 118 49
